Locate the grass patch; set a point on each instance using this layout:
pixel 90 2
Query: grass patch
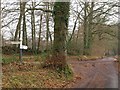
pixel 10 58
pixel 15 57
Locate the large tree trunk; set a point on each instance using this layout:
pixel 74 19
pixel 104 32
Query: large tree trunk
pixel 33 29
pixel 90 19
pixel 61 15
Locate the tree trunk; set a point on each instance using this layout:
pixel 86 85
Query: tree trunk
pixel 90 18
pixel 47 27
pixel 73 31
pixel 33 29
pixel 39 39
pixel 50 35
pixel 61 15
pixel 85 52
pixel 18 28
pixel 24 25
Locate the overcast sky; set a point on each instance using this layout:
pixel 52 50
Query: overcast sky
pixel 12 26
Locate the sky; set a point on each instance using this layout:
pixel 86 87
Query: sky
pixel 62 0
pixel 12 27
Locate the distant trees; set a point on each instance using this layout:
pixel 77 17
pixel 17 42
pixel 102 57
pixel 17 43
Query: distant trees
pixel 93 14
pixel 36 19
pixel 40 27
pixel 18 27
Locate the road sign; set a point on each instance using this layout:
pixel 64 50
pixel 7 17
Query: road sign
pixel 13 42
pixel 19 42
pixel 24 47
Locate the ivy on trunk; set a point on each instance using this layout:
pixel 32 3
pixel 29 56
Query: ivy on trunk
pixel 61 16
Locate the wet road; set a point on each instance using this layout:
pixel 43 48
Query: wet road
pixel 100 73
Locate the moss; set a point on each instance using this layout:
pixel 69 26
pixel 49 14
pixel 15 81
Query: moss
pixel 66 72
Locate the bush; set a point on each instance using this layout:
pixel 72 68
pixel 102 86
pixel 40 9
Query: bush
pixel 9 50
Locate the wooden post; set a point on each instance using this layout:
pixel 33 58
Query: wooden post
pixel 21 34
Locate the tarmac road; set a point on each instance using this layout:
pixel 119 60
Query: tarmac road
pixel 101 73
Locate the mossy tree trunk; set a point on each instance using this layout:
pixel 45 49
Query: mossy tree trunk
pixel 85 51
pixel 90 27
pixel 88 18
pixel 60 15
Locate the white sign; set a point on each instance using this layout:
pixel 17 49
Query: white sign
pixel 13 42
pixel 24 47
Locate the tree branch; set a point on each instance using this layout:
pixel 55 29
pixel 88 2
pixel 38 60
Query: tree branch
pixel 50 11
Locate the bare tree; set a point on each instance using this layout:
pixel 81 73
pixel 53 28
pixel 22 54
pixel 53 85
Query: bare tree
pixel 39 39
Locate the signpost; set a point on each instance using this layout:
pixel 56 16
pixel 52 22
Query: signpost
pixel 21 46
pixel 13 42
pixel 21 35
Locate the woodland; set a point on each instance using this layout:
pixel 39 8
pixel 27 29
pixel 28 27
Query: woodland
pixel 59 35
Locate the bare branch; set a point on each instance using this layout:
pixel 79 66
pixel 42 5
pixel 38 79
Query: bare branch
pixel 50 11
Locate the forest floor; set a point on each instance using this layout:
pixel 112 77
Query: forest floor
pixel 98 73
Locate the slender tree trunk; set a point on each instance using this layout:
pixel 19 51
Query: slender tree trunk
pixel 18 28
pixel 24 25
pixel 39 39
pixel 78 32
pixel 85 52
pixel 1 37
pixel 50 35
pixel 73 31
pixel 47 27
pixel 118 52
pixel 33 29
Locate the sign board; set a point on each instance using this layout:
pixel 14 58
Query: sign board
pixel 24 47
pixel 19 42
pixel 13 42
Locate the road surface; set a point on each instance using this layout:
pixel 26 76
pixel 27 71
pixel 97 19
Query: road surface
pixel 102 73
